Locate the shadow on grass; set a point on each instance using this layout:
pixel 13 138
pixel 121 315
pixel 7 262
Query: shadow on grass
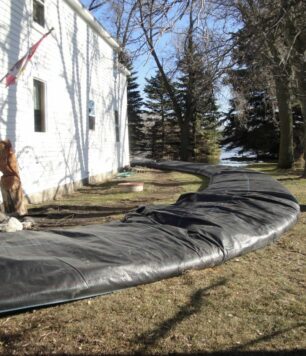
pixel 89 188
pixel 303 210
pixel 151 337
pixel 9 339
pixel 173 183
pixel 268 337
pixel 301 352
pixel 85 208
pixel 247 353
pixel 112 188
pixel 71 215
pixel 74 215
pixel 289 179
pixel 78 212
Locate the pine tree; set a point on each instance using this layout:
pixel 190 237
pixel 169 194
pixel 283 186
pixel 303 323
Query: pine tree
pixel 206 137
pixel 196 88
pixel 162 130
pixel 252 123
pixel 135 119
pixel 253 128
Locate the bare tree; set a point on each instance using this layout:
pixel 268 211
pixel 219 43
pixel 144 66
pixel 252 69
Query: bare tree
pixel 95 4
pixel 157 18
pixel 292 14
pixel 145 23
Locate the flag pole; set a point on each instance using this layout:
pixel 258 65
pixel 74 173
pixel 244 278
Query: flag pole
pixel 51 29
pixel 45 35
pixel 2 79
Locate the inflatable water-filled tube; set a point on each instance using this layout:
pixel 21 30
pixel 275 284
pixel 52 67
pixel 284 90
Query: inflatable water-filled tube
pixel 240 211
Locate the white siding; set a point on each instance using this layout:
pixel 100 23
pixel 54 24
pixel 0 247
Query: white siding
pixel 77 65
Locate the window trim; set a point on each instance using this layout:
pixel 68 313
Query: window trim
pixel 36 23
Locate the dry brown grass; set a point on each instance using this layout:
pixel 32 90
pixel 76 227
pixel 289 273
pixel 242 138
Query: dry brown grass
pixel 101 203
pixel 253 304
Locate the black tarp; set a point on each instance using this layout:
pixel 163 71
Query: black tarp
pixel 240 211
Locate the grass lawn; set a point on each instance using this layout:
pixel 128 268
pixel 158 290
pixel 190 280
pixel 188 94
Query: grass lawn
pixel 250 305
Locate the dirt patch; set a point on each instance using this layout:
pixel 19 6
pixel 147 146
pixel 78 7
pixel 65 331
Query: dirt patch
pixel 102 203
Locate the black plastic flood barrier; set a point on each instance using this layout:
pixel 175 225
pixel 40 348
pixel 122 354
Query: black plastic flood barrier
pixel 240 211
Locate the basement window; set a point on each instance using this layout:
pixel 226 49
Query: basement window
pixel 39 12
pixel 117 126
pixel 39 106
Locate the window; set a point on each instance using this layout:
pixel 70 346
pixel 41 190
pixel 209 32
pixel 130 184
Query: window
pixel 117 126
pixel 39 106
pixel 91 115
pixel 39 12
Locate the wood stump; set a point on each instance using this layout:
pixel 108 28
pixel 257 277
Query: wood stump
pixel 11 188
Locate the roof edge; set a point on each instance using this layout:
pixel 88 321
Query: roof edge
pixel 90 19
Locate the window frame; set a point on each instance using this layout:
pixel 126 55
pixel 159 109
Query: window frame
pixel 40 3
pixel 117 126
pixel 43 122
pixel 91 115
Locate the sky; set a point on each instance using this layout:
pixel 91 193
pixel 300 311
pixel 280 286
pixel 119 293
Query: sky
pixel 145 67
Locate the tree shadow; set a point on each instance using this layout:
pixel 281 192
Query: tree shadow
pixel 13 46
pixel 52 216
pixel 56 212
pixel 10 339
pixel 300 352
pixel 265 338
pixel 151 337
pixel 176 183
pixel 73 87
pixel 297 352
pixel 289 179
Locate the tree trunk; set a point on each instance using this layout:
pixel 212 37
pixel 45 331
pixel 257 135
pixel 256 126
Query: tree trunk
pixel 300 72
pixel 184 145
pixel 295 37
pixel 163 127
pixel 303 106
pixel 285 157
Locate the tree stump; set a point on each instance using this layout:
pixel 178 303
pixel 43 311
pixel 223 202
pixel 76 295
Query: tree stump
pixel 11 188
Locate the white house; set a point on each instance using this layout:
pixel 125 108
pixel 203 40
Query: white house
pixel 67 115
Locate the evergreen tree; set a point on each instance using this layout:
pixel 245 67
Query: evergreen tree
pixel 206 136
pixel 253 123
pixel 135 119
pixel 197 99
pixel 256 128
pixel 161 126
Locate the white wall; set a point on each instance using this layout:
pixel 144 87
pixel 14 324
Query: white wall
pixel 76 65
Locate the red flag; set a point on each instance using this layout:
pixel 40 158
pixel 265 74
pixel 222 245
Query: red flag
pixel 14 73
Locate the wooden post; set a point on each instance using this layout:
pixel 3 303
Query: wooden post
pixel 11 188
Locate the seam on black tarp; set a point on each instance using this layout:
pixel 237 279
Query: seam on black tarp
pixel 160 227
pixel 74 268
